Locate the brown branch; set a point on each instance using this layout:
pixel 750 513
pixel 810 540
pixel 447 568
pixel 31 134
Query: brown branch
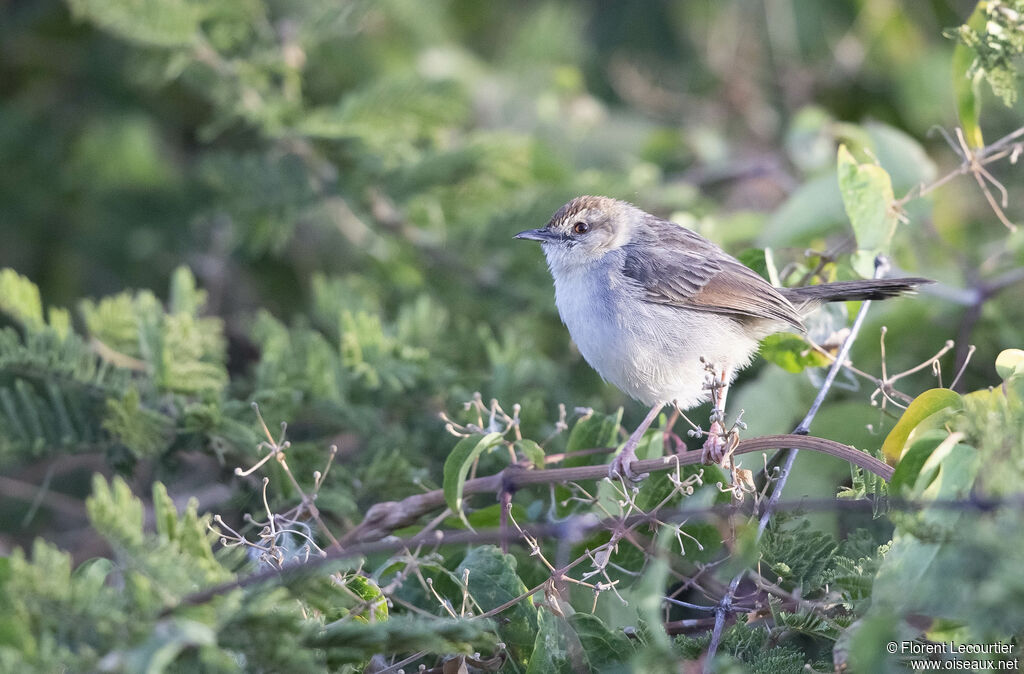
pixel 383 518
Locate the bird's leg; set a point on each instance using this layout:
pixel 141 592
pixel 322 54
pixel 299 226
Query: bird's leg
pixel 619 466
pixel 716 446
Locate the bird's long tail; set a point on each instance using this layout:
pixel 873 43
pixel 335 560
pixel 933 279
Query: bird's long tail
pixel 808 297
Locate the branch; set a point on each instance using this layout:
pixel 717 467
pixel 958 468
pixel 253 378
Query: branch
pixel 383 518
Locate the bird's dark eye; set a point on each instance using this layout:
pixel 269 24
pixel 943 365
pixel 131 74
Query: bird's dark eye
pixel 581 228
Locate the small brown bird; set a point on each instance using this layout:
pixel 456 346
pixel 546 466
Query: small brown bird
pixel 652 305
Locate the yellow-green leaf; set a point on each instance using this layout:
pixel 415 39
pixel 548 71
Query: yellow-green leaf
pixel 1010 363
pixel 868 198
pixel 924 406
pixel 791 352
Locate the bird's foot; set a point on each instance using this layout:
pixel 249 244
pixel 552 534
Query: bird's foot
pixel 619 467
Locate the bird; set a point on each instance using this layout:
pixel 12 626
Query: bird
pixel 655 308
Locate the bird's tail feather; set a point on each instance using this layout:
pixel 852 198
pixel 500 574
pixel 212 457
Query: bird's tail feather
pixel 841 291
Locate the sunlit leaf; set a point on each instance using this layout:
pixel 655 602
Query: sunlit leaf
pixel 791 352
pixel 868 198
pixel 923 406
pixel 1010 363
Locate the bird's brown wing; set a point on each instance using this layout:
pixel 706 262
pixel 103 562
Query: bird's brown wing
pixel 678 267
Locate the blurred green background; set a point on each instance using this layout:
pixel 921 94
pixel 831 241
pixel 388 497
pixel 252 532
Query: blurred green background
pixel 343 179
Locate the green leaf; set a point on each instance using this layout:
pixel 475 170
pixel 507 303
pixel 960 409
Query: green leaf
pixel 910 464
pixel 1010 363
pixel 557 648
pixel 161 23
pixel 791 352
pixel 967 80
pixel 488 517
pixel 591 431
pixel 813 209
pixel 146 432
pixel 20 299
pixel 493 582
pixel 606 650
pixel 375 604
pixel 185 297
pixel 533 452
pixel 956 465
pixel 868 198
pixel 580 643
pixel 922 407
pixel 906 161
pixel 647 594
pixel 457 466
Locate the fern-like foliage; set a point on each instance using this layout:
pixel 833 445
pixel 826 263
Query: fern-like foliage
pixel 797 554
pixel 130 382
pixel 127 614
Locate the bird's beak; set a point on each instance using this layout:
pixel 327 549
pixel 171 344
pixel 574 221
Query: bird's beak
pixel 544 235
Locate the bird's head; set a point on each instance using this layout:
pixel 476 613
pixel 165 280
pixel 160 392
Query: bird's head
pixel 584 230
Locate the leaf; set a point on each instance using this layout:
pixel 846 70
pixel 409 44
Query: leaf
pixel 604 648
pixel 457 465
pixel 813 209
pixel 161 23
pixel 20 298
pixel 374 604
pixel 488 517
pixel 591 431
pixel 867 197
pixel 910 464
pixel 901 156
pixel 956 465
pixel 966 83
pixel 922 407
pixel 791 352
pixel 1010 363
pixel 185 297
pixel 557 648
pixel 493 582
pixel 146 432
pixel 533 452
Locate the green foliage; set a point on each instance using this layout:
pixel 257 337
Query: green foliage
pixel 132 384
pixel 748 645
pixel 798 555
pixel 995 37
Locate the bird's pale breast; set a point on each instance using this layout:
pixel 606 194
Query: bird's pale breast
pixel 650 351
